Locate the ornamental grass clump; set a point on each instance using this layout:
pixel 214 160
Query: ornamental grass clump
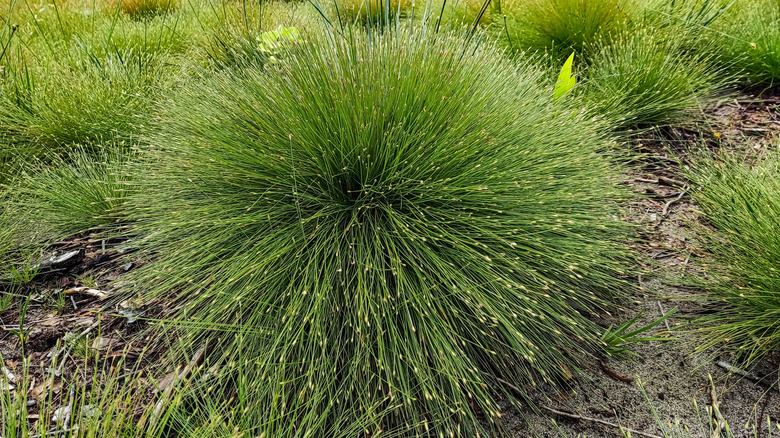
pixel 563 26
pixel 742 204
pixel 642 79
pixel 147 8
pixel 374 232
pixel 748 40
pixel 84 100
pixel 53 197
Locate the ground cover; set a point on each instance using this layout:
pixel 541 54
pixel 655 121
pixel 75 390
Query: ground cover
pixel 216 223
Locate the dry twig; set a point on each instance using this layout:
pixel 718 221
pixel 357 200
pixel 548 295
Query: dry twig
pixel 720 423
pixel 86 291
pixel 669 204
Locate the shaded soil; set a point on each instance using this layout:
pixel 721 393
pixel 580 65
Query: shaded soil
pixel 66 321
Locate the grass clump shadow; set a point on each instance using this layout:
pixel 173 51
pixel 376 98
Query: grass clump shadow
pixel 378 257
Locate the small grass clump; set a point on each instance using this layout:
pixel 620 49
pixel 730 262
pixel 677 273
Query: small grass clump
pixel 748 39
pixel 642 79
pixel 378 255
pixel 742 203
pixel 58 196
pixel 563 26
pixel 91 100
pixel 147 8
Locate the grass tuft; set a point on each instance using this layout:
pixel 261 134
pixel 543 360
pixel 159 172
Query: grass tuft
pixel 372 256
pixel 564 26
pixel 748 39
pixel 742 203
pixel 53 198
pixel 645 79
pixel 147 8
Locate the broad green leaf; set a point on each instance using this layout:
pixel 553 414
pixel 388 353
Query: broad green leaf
pixel 566 81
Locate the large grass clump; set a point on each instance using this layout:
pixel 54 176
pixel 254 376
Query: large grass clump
pixel 742 203
pixel 385 228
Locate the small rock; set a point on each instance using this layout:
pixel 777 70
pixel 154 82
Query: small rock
pixel 90 411
pixel 127 266
pixel 9 375
pixel 54 262
pixel 30 403
pixel 61 414
pixel 653 217
pixel 130 314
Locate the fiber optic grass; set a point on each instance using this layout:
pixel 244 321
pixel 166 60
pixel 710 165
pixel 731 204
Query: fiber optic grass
pixel 376 231
pixel 55 197
pixel 689 16
pixel 91 101
pixel 147 8
pixel 373 11
pixel 643 79
pixel 749 41
pixel 83 190
pixel 563 26
pixel 56 31
pixel 742 203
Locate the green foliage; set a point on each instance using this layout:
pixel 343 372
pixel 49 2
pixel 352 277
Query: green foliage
pixel 233 50
pixel 563 26
pixel 742 203
pixel 684 17
pixel 376 257
pixel 373 12
pixel 566 80
pixel 90 101
pixel 642 79
pixel 618 338
pixel 6 298
pixel 107 400
pixel 22 332
pixel 147 8
pixel 748 40
pixel 24 275
pixel 58 196
pixel 81 191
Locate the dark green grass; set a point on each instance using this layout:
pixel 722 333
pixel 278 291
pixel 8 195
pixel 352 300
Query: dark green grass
pixel 376 232
pixel 742 203
pixel 565 26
